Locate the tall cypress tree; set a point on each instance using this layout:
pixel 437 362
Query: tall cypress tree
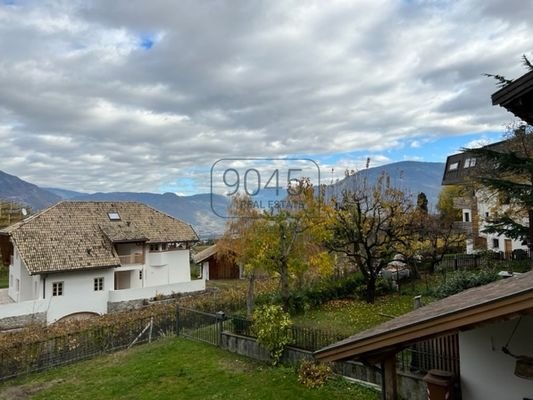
pixel 507 170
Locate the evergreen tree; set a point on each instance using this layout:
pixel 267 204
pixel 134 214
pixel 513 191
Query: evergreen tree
pixel 422 202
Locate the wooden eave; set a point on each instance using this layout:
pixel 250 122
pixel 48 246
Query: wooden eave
pixel 517 97
pixel 393 340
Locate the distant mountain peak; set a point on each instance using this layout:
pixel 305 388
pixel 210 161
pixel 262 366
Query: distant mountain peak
pixel 412 177
pixel 13 188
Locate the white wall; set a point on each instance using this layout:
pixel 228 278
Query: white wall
pixel 166 267
pixel 78 293
pixel 486 205
pixel 148 292
pixel 14 276
pixel 205 270
pixel 28 286
pixel 486 372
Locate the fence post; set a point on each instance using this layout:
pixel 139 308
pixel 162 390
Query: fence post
pixel 220 322
pixel 177 320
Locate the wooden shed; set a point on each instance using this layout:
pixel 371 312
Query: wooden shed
pixel 215 266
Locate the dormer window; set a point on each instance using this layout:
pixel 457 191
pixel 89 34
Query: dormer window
pixel 113 216
pixel 453 166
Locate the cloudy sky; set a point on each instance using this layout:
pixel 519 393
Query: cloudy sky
pixel 147 95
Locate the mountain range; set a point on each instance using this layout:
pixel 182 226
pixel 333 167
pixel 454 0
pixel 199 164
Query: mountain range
pixel 411 176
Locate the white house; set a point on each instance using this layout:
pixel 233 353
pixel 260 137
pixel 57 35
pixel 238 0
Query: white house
pixel 486 319
pixel 478 206
pixel 83 257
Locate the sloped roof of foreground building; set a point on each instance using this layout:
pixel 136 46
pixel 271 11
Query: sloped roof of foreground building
pixel 503 299
pixel 79 235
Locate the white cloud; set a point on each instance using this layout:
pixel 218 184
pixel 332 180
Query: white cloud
pixel 105 96
pixel 474 144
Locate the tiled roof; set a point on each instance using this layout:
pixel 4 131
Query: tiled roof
pixel 76 235
pixel 205 254
pixel 466 301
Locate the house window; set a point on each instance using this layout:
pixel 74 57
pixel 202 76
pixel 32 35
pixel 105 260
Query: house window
pixel 470 162
pixel 466 217
pixel 453 166
pixel 495 243
pixel 57 289
pixel 98 284
pixel 154 247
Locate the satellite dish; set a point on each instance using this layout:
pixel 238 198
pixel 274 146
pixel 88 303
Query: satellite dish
pixel 24 212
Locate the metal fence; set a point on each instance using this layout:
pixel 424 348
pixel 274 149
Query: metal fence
pixel 199 325
pixel 459 261
pixel 17 358
pixel 518 258
pixel 304 338
pixel 438 353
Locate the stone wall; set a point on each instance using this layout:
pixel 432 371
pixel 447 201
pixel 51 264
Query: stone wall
pixel 120 306
pixel 20 321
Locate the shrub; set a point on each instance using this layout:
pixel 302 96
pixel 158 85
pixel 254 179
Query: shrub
pixel 272 327
pixel 313 374
pixel 317 294
pixel 461 280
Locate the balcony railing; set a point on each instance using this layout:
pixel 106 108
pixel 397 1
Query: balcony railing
pixel 462 202
pixel 464 227
pixel 137 258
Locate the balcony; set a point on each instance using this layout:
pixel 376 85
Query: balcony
pixel 136 258
pixel 462 202
pixel 463 227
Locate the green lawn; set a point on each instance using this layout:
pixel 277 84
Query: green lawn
pixel 174 368
pixel 350 316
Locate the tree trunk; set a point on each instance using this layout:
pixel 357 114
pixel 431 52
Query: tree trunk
pixel 371 289
pixel 284 282
pixel 250 295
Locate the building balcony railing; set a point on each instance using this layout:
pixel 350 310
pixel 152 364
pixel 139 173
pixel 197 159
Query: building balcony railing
pixel 136 258
pixel 462 202
pixel 464 227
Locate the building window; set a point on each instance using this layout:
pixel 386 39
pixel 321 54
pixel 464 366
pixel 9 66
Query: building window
pixel 466 217
pixel 57 289
pixel 453 166
pixel 495 243
pixel 154 247
pixel 98 284
pixel 113 216
pixel 470 162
